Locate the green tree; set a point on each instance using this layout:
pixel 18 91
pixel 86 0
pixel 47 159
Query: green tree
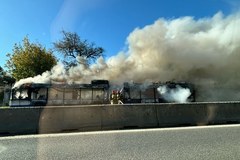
pixel 29 59
pixel 5 78
pixel 71 46
pixel 1 72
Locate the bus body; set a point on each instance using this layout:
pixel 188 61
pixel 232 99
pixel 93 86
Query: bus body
pixel 97 92
pixel 37 94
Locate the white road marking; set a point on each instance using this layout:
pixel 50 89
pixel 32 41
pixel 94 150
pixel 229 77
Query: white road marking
pixel 116 131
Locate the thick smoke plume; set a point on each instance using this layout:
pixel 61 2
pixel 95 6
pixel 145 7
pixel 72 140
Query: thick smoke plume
pixel 205 52
pixel 177 94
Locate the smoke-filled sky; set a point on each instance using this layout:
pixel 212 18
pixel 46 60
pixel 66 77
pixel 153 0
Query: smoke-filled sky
pixel 205 52
pixel 105 22
pixel 198 42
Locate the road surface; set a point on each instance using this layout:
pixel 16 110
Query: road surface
pixel 209 142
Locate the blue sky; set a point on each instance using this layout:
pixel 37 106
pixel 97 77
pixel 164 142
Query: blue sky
pixel 105 22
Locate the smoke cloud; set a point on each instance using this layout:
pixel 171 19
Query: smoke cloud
pixel 205 52
pixel 177 94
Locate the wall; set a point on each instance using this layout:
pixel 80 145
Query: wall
pixel 102 117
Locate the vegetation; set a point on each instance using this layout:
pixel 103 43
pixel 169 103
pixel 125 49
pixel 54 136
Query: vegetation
pixel 29 59
pixel 71 46
pixel 4 78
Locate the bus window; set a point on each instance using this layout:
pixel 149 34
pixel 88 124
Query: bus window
pixel 39 94
pixel 21 94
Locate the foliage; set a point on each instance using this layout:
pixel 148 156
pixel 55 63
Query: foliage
pixel 71 46
pixel 29 59
pixel 4 78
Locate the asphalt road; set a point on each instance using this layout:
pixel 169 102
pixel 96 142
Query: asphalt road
pixel 211 142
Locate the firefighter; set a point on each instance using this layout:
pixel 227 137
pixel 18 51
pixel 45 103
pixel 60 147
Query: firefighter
pixel 113 97
pixel 119 97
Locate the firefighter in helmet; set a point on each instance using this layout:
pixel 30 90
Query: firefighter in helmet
pixel 119 97
pixel 113 97
pixel 116 97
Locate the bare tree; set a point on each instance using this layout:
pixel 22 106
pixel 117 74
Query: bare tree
pixel 71 46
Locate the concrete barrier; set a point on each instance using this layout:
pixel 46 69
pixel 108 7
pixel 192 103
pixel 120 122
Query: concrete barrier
pixel 128 116
pixel 181 114
pixel 19 120
pixel 69 118
pixel 218 113
pixel 85 118
pixel 198 113
pixel 52 119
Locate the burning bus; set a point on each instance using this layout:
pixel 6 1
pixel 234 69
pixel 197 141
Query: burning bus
pixel 37 94
pixel 98 92
pixel 169 92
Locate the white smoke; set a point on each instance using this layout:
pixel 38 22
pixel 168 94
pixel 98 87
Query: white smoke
pixel 58 73
pixel 177 94
pixel 203 51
